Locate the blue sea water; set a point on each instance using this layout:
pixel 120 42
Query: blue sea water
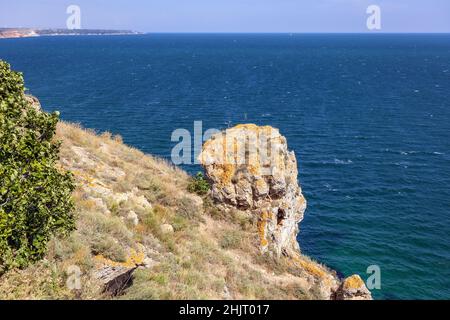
pixel 368 117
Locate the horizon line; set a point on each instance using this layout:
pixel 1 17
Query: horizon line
pixel 237 32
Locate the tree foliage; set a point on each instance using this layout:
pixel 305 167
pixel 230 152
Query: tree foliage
pixel 35 195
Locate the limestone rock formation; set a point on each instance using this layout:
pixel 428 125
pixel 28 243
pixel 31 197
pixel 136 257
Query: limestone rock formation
pixel 251 168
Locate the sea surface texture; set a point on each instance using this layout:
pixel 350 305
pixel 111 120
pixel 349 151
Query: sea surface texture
pixel 368 117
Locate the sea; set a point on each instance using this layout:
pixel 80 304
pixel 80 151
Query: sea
pixel 368 116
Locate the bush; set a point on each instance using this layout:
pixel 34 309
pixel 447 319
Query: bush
pixel 199 185
pixel 35 197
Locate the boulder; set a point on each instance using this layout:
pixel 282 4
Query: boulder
pixel 115 276
pixel 166 229
pixel 115 279
pixel 353 288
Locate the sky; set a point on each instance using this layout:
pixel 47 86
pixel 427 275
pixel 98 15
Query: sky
pixel 231 15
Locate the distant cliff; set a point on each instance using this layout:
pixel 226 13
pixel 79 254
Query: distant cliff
pixel 28 32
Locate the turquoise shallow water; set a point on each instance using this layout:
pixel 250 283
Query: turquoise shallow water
pixel 367 115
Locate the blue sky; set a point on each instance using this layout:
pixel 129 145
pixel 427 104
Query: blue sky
pixel 231 15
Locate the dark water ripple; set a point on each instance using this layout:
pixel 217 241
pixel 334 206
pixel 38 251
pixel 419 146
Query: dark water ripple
pixel 368 117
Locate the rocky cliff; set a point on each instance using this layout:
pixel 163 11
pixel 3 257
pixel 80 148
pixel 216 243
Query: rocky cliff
pixel 141 234
pixel 252 170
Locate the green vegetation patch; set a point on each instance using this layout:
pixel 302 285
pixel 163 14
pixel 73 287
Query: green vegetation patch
pixel 199 185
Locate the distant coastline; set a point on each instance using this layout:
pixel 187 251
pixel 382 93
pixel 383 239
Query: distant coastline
pixel 8 33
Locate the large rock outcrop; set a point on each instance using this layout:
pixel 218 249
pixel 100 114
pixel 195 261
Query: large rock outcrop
pixel 251 169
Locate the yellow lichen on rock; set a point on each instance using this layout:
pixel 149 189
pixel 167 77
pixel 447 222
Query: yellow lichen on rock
pixel 353 288
pixel 310 267
pixel 227 173
pixel 262 223
pixel 353 282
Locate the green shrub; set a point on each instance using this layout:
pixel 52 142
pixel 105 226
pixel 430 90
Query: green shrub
pixel 199 185
pixel 35 196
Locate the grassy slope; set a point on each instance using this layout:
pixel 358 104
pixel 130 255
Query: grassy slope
pixel 211 254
